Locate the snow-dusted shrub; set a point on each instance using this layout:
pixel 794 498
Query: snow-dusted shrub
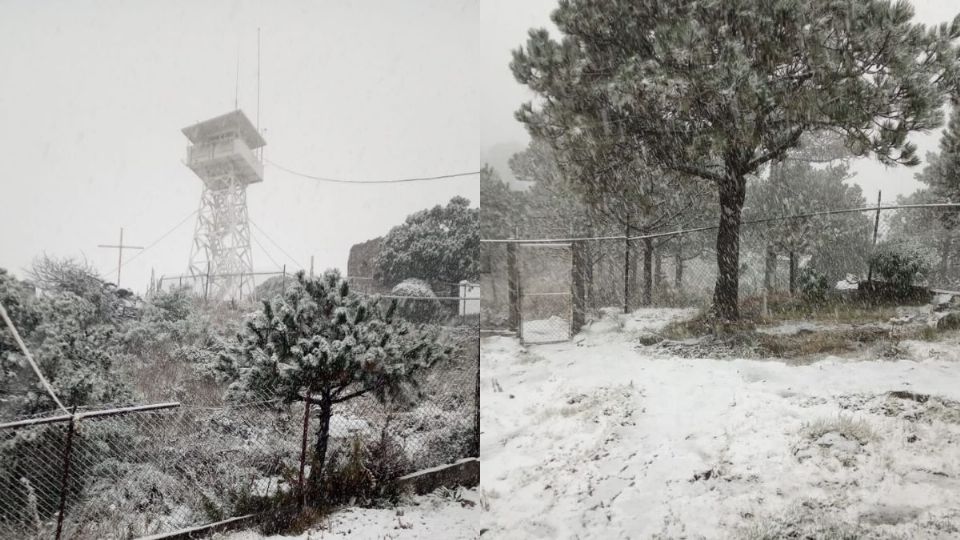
pixel 813 285
pixel 365 470
pixel 275 287
pixel 173 305
pixel 901 266
pixel 27 468
pixel 79 353
pixel 138 499
pixel 801 522
pixel 28 473
pixel 433 436
pixel 420 304
pixel 348 477
pixel 854 429
pixel 388 461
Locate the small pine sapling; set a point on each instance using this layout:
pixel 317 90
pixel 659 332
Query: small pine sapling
pixel 323 344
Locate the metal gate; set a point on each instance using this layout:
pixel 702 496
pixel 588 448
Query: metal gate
pixel 545 294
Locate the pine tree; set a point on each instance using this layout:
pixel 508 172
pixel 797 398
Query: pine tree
pixel 942 175
pixel 946 181
pixel 500 207
pixel 718 89
pixel 591 193
pixel 324 345
pixel 838 244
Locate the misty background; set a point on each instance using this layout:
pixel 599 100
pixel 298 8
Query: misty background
pixel 94 95
pixel 511 27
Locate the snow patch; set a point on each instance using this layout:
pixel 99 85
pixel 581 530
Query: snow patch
pixel 443 514
pixel 597 439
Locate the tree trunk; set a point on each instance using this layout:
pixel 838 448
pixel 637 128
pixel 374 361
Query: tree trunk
pixel 320 449
pixel 647 271
pixel 678 272
pixel 678 266
pixel 769 270
pixel 945 246
pixel 732 192
pixel 657 270
pixel 590 258
pixel 793 272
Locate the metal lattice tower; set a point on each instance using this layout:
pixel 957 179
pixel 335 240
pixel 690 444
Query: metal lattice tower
pixel 223 156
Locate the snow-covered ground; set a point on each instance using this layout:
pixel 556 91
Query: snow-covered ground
pixel 546 330
pixel 443 514
pixel 594 438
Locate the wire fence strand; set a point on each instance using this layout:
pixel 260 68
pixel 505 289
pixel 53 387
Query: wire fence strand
pixel 545 286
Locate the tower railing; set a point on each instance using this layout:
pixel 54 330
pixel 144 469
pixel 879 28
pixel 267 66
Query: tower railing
pixel 201 155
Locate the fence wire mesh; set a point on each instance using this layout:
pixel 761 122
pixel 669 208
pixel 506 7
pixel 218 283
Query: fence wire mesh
pixel 778 257
pixel 162 470
pixel 545 298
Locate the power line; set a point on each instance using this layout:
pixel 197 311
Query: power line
pixel 393 181
pixel 276 244
pixel 275 263
pixel 157 241
pixel 714 227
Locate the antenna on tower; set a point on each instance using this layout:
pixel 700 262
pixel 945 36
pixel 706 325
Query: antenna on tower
pixel 236 91
pixel 258 88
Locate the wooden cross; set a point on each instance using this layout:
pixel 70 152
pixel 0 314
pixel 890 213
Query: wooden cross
pixel 119 247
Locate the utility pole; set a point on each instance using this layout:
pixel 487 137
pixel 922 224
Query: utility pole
pixel 119 247
pixel 876 228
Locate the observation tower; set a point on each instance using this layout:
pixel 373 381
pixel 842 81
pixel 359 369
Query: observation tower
pixel 223 153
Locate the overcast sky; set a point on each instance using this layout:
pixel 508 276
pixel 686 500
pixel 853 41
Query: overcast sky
pixel 508 28
pixel 93 96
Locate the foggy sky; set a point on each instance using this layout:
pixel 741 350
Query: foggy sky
pixel 511 33
pixel 94 95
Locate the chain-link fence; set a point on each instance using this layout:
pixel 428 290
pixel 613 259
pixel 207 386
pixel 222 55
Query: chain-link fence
pixel 778 257
pixel 544 293
pixel 456 303
pixel 132 471
pixel 247 286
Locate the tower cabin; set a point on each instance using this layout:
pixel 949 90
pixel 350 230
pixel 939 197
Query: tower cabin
pixel 222 150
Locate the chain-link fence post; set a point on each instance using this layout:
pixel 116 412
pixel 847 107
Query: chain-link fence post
pixel 647 272
pixel 578 292
pixel 513 288
pixel 65 476
pixel 476 403
pixel 626 269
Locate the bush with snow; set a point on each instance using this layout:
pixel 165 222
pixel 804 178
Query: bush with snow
pixel 814 286
pixel 901 266
pixel 420 304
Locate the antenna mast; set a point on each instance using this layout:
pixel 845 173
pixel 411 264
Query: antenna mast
pixel 236 91
pixel 258 89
